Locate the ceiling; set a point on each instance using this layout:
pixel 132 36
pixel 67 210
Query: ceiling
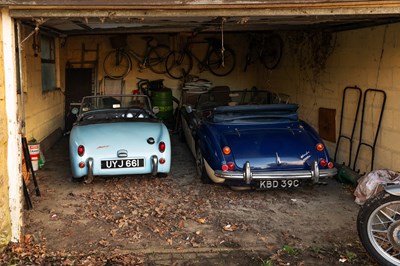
pixel 84 20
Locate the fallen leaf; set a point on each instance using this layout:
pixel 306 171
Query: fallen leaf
pixel 201 221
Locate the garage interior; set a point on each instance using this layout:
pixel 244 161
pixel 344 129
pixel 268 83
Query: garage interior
pixel 327 52
pixel 315 41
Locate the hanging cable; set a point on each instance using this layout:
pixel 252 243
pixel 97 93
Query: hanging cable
pixel 222 42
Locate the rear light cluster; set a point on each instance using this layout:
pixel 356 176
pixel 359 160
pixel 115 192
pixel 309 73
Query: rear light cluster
pixel 161 148
pixel 322 162
pixel 230 165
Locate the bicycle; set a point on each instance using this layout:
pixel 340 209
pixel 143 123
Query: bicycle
pixel 266 48
pixel 219 60
pixel 118 63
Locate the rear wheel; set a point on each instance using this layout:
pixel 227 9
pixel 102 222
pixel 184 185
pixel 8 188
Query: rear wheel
pixel 221 64
pixel 200 167
pixel 178 64
pixel 162 175
pixel 157 57
pixel 378 226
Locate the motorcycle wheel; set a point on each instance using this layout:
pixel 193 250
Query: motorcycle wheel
pixel 378 226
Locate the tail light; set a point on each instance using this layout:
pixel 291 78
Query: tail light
pixel 162 160
pixel 330 164
pixel 323 162
pixel 226 150
pixel 82 165
pixel 224 167
pixel 319 147
pixel 231 166
pixel 81 150
pixel 161 146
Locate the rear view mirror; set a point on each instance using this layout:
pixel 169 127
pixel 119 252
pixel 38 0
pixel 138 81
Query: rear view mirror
pixel 75 110
pixel 156 110
pixel 189 109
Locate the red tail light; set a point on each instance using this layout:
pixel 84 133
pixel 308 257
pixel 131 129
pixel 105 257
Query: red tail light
pixel 81 150
pixel 226 150
pixel 161 146
pixel 231 166
pixel 224 167
pixel 162 161
pixel 319 147
pixel 330 164
pixel 323 162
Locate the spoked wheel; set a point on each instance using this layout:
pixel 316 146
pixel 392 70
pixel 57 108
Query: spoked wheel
pixel 178 64
pixel 117 64
pixel 157 57
pixel 378 225
pixel 200 167
pixel 221 64
pixel 272 51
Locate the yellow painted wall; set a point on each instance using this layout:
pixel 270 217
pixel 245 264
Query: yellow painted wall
pixel 44 111
pixel 367 58
pixel 5 220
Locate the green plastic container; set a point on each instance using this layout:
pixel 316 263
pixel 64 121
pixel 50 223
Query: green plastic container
pixel 163 100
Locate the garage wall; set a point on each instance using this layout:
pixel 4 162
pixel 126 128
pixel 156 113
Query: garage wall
pixel 5 219
pixel 73 51
pixel 367 58
pixel 44 111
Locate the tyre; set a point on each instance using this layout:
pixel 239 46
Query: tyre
pixel 162 175
pixel 156 59
pixel 178 64
pixel 272 51
pixel 221 65
pixel 378 226
pixel 200 167
pixel 117 64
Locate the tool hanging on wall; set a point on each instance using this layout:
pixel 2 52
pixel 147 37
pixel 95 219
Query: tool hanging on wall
pixel 348 91
pixel 362 141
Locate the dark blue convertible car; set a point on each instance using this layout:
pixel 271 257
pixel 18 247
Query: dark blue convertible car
pixel 244 139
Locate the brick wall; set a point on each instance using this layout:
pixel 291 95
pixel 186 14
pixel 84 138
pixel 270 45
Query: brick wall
pixel 367 58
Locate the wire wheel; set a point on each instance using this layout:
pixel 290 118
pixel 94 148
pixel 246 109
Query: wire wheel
pixel 117 64
pixel 272 52
pixel 156 59
pixel 221 64
pixel 378 225
pixel 178 64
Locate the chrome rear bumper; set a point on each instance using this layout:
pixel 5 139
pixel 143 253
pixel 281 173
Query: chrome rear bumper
pixel 248 176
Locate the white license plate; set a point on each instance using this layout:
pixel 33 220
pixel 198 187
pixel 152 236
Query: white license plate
pixel 284 183
pixel 124 163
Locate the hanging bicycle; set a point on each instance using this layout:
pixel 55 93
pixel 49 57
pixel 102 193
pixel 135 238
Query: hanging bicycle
pixel 267 48
pixel 219 60
pixel 118 63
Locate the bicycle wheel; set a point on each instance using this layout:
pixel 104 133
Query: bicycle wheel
pixel 272 51
pixel 156 58
pixel 117 64
pixel 221 66
pixel 178 64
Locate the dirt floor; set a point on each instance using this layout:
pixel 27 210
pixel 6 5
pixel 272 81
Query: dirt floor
pixel 180 221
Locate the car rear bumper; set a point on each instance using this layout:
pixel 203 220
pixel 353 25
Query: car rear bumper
pixel 248 176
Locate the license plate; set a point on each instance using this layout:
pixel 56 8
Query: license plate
pixel 284 183
pixel 124 163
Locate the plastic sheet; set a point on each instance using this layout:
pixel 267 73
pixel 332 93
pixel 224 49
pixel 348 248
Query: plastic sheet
pixel 371 183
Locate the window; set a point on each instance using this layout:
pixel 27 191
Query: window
pixel 47 54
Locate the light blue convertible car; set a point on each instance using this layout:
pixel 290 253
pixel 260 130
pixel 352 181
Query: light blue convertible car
pixel 118 135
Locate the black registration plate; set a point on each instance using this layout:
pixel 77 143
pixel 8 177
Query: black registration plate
pixel 284 183
pixel 124 163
